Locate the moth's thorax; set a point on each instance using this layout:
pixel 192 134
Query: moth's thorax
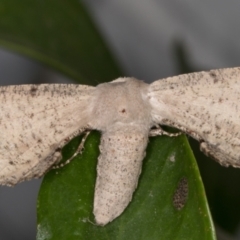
pixel 121 102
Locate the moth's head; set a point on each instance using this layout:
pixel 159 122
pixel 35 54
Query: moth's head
pixel 121 101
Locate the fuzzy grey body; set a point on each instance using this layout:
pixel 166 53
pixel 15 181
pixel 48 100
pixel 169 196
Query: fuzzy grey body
pixel 125 130
pixel 36 121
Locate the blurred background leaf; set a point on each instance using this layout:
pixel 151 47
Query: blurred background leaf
pixel 60 34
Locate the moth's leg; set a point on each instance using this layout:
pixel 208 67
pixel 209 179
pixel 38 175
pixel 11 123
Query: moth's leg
pixel 57 156
pixel 79 150
pixel 159 131
pixel 91 222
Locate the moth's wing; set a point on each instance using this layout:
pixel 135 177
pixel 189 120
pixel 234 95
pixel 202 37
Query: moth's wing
pixel 35 122
pixel 205 105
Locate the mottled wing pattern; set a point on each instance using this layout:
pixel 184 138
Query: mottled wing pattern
pixel 206 106
pixel 35 122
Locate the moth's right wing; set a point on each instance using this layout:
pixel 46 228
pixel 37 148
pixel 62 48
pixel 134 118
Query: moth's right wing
pixel 35 122
pixel 205 105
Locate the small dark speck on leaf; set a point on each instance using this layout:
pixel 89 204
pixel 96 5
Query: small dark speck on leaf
pixel 181 194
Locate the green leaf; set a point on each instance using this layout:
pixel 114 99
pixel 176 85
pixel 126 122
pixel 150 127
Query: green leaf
pixel 60 34
pixel 65 202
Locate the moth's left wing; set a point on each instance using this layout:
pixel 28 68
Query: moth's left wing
pixel 35 122
pixel 205 105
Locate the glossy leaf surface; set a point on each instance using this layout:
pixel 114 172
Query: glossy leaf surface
pixel 66 198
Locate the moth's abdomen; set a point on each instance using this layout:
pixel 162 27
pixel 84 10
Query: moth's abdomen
pixel 118 170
